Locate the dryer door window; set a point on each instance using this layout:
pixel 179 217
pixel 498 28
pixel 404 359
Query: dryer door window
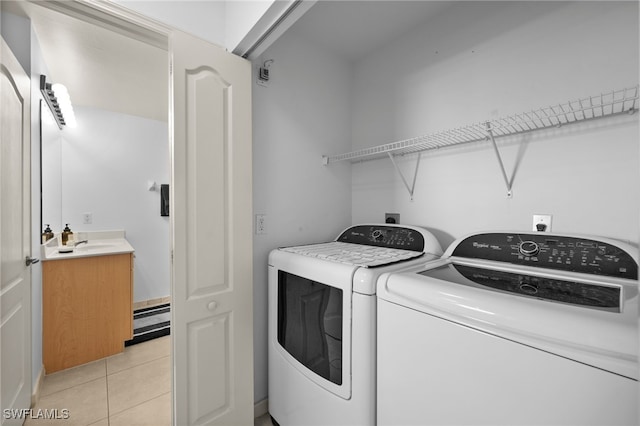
pixel 310 324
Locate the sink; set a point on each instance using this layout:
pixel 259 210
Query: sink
pixel 99 243
pixel 86 247
pixel 94 246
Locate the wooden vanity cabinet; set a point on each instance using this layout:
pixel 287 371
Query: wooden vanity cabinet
pixel 87 309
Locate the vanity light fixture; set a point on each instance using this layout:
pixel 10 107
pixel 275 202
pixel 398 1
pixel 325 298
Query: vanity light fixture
pixel 57 97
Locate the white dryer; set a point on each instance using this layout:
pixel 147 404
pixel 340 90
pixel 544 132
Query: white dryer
pixel 512 328
pixel 322 322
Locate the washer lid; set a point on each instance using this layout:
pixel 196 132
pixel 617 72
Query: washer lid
pixel 603 339
pixel 531 283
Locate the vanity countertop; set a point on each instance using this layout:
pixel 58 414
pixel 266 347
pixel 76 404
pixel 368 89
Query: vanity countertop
pixel 99 243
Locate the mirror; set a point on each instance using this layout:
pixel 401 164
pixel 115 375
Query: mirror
pixel 96 176
pixel 51 173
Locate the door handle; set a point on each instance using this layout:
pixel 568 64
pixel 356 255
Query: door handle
pixel 30 260
pixel 212 305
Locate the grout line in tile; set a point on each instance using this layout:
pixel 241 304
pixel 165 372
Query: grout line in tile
pixel 106 373
pixel 83 382
pixel 142 402
pixel 129 368
pixel 137 365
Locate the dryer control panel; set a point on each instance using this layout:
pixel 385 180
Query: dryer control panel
pixel 572 254
pixel 396 237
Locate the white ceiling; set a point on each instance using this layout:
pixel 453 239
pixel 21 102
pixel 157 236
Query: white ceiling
pixel 355 28
pixel 107 70
pixel 99 67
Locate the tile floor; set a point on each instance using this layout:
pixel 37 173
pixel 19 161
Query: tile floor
pixel 129 389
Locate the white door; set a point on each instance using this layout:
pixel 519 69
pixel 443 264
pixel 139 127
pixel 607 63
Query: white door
pixel 211 206
pixel 15 216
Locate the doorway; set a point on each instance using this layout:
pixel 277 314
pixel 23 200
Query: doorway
pixel 120 81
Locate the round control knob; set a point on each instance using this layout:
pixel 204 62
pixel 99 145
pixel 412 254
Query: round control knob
pixel 377 235
pixel 529 248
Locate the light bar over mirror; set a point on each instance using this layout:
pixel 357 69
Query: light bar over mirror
pixel 57 97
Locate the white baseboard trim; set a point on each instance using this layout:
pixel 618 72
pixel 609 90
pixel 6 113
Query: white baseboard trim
pixel 260 408
pixel 35 396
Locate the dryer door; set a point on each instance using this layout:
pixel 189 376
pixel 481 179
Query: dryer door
pixel 310 323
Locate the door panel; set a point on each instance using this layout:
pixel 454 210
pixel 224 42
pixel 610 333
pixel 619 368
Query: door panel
pixel 212 235
pixel 211 338
pixel 207 101
pixel 15 213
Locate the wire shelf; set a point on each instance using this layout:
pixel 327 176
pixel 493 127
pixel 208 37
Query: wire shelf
pixel 623 101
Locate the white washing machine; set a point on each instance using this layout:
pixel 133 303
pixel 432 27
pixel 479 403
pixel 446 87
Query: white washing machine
pixel 512 329
pixel 322 322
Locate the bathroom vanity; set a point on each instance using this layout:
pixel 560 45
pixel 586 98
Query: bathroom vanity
pixel 87 299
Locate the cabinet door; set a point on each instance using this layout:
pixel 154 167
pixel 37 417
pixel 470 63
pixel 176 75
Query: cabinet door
pixel 87 309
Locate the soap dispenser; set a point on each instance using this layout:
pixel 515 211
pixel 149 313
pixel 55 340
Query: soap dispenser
pixel 47 234
pixel 66 233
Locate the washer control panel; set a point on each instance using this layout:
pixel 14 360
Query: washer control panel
pixel 551 251
pixel 396 237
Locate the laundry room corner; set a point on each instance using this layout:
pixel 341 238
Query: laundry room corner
pixel 300 114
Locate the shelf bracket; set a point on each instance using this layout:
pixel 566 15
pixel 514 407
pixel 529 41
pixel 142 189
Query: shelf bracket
pixel 404 180
pixel 504 172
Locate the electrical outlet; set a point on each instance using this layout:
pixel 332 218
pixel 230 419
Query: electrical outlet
pixel 87 218
pixel 541 223
pixel 392 218
pixel 261 224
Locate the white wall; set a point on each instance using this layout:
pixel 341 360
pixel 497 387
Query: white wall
pixel 204 19
pixel 222 22
pixel 106 164
pixel 303 114
pixel 478 61
pixel 16 31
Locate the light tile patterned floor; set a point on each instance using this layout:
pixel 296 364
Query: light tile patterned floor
pixel 131 388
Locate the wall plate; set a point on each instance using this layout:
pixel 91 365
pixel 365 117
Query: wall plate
pixel 261 224
pixel 541 223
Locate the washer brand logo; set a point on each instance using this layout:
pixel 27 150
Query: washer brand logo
pixel 481 245
pixel 41 413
